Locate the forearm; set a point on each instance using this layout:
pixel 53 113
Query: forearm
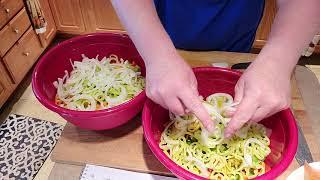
pixel 145 29
pixel 294 26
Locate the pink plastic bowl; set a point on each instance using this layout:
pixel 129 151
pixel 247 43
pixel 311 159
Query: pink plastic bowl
pixel 284 137
pixel 53 64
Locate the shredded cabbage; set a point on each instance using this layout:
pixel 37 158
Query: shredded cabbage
pixel 95 84
pixel 191 146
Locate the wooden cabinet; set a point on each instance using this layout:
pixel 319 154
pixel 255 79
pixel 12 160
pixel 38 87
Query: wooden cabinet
pixel 111 22
pixel 5 85
pixel 10 33
pixel 264 28
pixel 100 16
pixel 9 8
pixel 317 48
pixel 84 16
pixel 51 29
pixel 20 46
pixel 87 16
pixel 23 55
pixel 68 16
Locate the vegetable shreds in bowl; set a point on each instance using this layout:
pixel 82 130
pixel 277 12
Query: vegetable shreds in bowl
pixel 210 155
pixel 95 84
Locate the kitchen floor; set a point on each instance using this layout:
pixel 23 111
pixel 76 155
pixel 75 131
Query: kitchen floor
pixel 24 102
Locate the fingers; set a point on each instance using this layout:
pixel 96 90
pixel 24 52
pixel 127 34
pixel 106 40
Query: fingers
pixel 174 105
pixel 244 113
pixel 156 98
pixel 239 91
pixel 229 112
pixel 192 102
pixel 261 113
pixel 170 102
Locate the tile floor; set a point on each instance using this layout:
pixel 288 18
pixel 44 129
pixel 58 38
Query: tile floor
pixel 28 105
pixel 24 102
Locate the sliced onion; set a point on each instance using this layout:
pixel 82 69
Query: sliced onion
pixel 91 76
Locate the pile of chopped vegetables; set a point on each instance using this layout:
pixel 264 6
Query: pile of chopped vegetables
pixel 210 155
pixel 95 84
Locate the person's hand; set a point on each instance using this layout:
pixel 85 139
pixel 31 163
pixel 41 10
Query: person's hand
pixel 263 90
pixel 171 83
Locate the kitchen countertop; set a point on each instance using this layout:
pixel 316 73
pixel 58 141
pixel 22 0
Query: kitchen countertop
pixel 24 107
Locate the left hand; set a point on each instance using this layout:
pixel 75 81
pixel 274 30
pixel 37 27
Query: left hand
pixel 263 90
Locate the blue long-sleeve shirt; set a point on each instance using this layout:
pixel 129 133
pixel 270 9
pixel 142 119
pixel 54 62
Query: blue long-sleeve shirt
pixel 226 25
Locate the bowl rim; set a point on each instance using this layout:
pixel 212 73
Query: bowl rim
pixel 60 110
pixel 278 169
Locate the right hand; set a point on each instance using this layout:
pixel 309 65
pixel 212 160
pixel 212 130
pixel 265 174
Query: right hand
pixel 172 84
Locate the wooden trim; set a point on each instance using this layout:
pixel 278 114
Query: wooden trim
pixel 258 44
pixel 63 34
pixel 264 28
pixel 317 49
pixel 113 31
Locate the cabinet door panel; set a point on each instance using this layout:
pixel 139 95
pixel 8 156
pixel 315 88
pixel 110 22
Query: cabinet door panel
pixel 99 16
pixel 6 86
pixel 67 15
pixel 106 17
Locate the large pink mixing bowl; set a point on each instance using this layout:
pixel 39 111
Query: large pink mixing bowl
pixel 284 137
pixel 53 64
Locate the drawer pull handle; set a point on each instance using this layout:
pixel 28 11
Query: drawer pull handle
pixel 16 30
pixel 7 11
pixel 26 53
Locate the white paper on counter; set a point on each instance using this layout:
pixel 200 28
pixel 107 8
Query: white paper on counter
pixel 93 172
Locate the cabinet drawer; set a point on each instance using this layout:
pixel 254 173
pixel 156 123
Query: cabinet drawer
pixel 8 8
pixel 23 55
pixel 13 31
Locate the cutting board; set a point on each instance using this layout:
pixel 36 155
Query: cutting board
pixel 125 147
